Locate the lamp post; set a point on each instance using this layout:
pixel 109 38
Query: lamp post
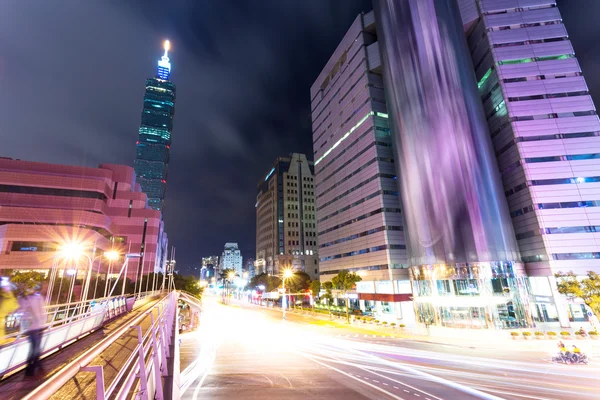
pixel 74 251
pixel 230 277
pixel 287 273
pixel 111 256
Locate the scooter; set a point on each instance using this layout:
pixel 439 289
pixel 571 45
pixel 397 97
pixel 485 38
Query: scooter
pixel 570 358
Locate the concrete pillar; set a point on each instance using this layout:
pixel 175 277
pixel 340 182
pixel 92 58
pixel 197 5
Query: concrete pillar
pixel 361 305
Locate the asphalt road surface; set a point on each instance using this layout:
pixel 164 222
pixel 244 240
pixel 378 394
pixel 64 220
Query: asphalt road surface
pixel 243 351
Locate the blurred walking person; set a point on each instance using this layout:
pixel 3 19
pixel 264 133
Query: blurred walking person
pixel 32 324
pixel 8 304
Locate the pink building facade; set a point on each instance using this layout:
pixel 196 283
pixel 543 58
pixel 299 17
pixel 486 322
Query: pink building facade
pixel 44 206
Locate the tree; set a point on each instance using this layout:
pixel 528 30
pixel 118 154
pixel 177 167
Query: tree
pixel 315 287
pixel 27 280
pixel 328 286
pixel 586 289
pixel 299 282
pixel 188 283
pixel 227 276
pixel 345 281
pixel 271 283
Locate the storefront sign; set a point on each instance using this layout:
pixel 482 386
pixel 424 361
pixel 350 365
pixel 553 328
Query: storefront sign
pixel 540 299
pixel 384 287
pixel 365 287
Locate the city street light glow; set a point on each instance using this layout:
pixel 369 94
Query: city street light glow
pixel 288 273
pixel 111 255
pixel 71 250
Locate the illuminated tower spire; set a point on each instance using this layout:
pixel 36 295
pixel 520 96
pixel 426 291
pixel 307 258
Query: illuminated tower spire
pixel 154 143
pixel 164 64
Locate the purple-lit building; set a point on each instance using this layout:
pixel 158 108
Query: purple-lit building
pixel 495 140
pixel 546 136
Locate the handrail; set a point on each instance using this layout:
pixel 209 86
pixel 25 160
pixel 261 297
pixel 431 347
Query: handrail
pixel 84 307
pixel 166 308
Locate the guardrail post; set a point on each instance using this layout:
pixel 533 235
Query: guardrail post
pixel 142 365
pixel 99 370
pixel 158 366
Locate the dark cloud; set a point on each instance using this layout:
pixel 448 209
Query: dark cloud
pixel 72 80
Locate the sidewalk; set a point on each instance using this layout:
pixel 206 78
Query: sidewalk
pixel 473 339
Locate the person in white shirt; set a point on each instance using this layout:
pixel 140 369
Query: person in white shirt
pixel 33 324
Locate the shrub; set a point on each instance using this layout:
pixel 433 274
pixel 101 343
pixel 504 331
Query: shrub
pixel 526 333
pixel 514 334
pixel 393 324
pixel 539 334
pixel 376 321
pixel 551 333
pixel 565 333
pixel 593 333
pixel 357 318
pixel 577 333
pixel 384 322
pixel 402 325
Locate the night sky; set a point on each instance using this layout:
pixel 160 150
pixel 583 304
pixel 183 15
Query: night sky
pixel 72 79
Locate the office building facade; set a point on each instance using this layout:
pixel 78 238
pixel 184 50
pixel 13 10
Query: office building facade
pixel 45 206
pixel 546 135
pixel 286 226
pixel 154 142
pixel 231 259
pixel 359 217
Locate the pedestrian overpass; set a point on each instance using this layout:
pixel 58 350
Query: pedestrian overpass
pixel 118 347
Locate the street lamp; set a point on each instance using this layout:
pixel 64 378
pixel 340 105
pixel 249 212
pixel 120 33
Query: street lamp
pixel 287 273
pixel 72 251
pixel 111 256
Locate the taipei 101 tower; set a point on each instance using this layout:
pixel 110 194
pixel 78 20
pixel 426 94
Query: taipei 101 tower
pixel 154 143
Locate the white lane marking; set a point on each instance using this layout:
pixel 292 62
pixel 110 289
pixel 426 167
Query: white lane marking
pixel 385 384
pixel 344 373
pixel 433 378
pixel 288 381
pixel 416 394
pixel 407 391
pixel 376 381
pixel 366 378
pixel 395 387
pixel 197 391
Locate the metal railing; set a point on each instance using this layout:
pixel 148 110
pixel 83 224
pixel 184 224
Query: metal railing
pixel 145 367
pixel 65 324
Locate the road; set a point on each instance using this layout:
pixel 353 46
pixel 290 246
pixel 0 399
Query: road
pixel 243 351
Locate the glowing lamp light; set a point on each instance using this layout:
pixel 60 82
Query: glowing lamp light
pixel 71 272
pixel 72 250
pixel 111 255
pixel 167 46
pixel 288 273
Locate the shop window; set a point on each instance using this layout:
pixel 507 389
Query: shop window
pixel 444 288
pixel 466 287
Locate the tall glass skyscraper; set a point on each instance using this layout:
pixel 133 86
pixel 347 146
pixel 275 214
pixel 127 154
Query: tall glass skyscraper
pixel 154 143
